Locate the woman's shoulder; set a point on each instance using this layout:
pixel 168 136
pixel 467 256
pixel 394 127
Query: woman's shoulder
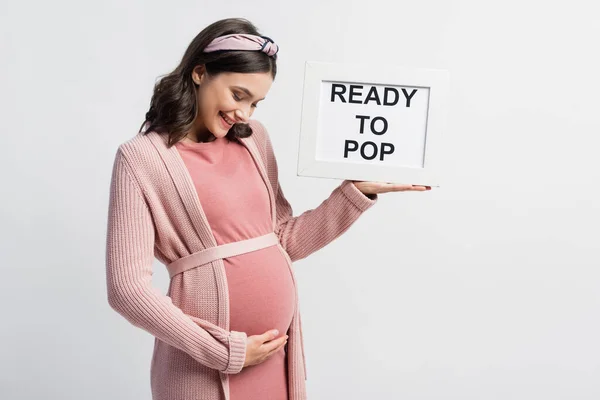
pixel 260 134
pixel 144 142
pixel 140 150
pixel 258 129
pixel 144 145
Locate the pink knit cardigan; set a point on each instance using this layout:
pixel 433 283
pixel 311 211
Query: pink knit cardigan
pixel 154 211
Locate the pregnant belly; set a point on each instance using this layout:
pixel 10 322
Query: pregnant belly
pixel 262 295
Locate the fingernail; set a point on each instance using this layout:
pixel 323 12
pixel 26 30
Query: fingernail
pixel 275 332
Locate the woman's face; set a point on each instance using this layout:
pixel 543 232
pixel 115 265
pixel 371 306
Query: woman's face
pixel 228 98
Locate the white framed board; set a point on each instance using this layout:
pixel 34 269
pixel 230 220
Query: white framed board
pixel 372 123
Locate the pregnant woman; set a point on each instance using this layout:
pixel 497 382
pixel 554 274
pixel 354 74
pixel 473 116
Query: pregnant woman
pixel 198 189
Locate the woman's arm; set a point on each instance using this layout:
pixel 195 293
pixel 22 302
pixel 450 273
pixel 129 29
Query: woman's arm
pixel 129 257
pixel 302 235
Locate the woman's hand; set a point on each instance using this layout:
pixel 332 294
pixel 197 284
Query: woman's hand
pixel 259 348
pixel 379 187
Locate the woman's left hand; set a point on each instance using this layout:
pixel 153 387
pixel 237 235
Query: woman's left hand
pixel 379 187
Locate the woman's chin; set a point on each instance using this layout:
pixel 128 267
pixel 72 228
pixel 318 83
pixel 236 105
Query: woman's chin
pixel 221 133
pixel 218 131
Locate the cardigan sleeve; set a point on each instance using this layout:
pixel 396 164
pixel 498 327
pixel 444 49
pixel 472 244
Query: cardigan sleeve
pixel 129 257
pixel 310 231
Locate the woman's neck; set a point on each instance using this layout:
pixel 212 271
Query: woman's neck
pixel 195 139
pixel 198 133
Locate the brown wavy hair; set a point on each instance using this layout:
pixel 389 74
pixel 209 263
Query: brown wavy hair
pixel 173 107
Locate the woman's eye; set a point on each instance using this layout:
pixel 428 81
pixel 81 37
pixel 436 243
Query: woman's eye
pixel 254 105
pixel 236 97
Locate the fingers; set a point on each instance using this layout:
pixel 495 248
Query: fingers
pixel 274 345
pixel 385 187
pixel 261 347
pixel 406 188
pixel 416 188
pixel 269 335
pixel 278 348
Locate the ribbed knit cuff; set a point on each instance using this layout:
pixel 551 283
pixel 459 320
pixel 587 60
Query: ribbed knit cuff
pixel 237 352
pixel 358 198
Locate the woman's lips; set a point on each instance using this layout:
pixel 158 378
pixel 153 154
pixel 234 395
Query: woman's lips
pixel 225 120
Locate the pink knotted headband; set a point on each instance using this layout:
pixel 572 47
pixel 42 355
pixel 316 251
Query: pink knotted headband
pixel 242 41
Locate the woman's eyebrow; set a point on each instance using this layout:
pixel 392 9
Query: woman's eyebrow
pixel 243 89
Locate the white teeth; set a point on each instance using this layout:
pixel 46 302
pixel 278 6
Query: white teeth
pixel 230 122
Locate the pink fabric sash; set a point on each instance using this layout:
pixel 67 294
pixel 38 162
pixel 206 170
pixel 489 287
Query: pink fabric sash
pixel 206 256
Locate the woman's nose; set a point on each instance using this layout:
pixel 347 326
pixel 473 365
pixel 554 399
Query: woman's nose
pixel 240 115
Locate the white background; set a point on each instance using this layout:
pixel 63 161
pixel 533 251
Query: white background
pixel 406 126
pixel 487 288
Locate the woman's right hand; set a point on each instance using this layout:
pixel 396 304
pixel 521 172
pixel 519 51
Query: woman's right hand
pixel 261 347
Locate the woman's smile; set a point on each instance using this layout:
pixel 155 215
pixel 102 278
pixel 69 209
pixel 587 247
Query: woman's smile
pixel 225 120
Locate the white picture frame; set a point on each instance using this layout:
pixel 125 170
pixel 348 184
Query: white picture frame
pixel 333 144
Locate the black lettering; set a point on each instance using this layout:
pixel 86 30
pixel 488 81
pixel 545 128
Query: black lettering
pixel 362 150
pixel 408 97
pixel 373 95
pixel 353 93
pixel 362 121
pixel 385 96
pixel 385 125
pixel 384 149
pixel 347 147
pixel 334 92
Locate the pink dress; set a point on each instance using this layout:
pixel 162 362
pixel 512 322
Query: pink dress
pixel 261 290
